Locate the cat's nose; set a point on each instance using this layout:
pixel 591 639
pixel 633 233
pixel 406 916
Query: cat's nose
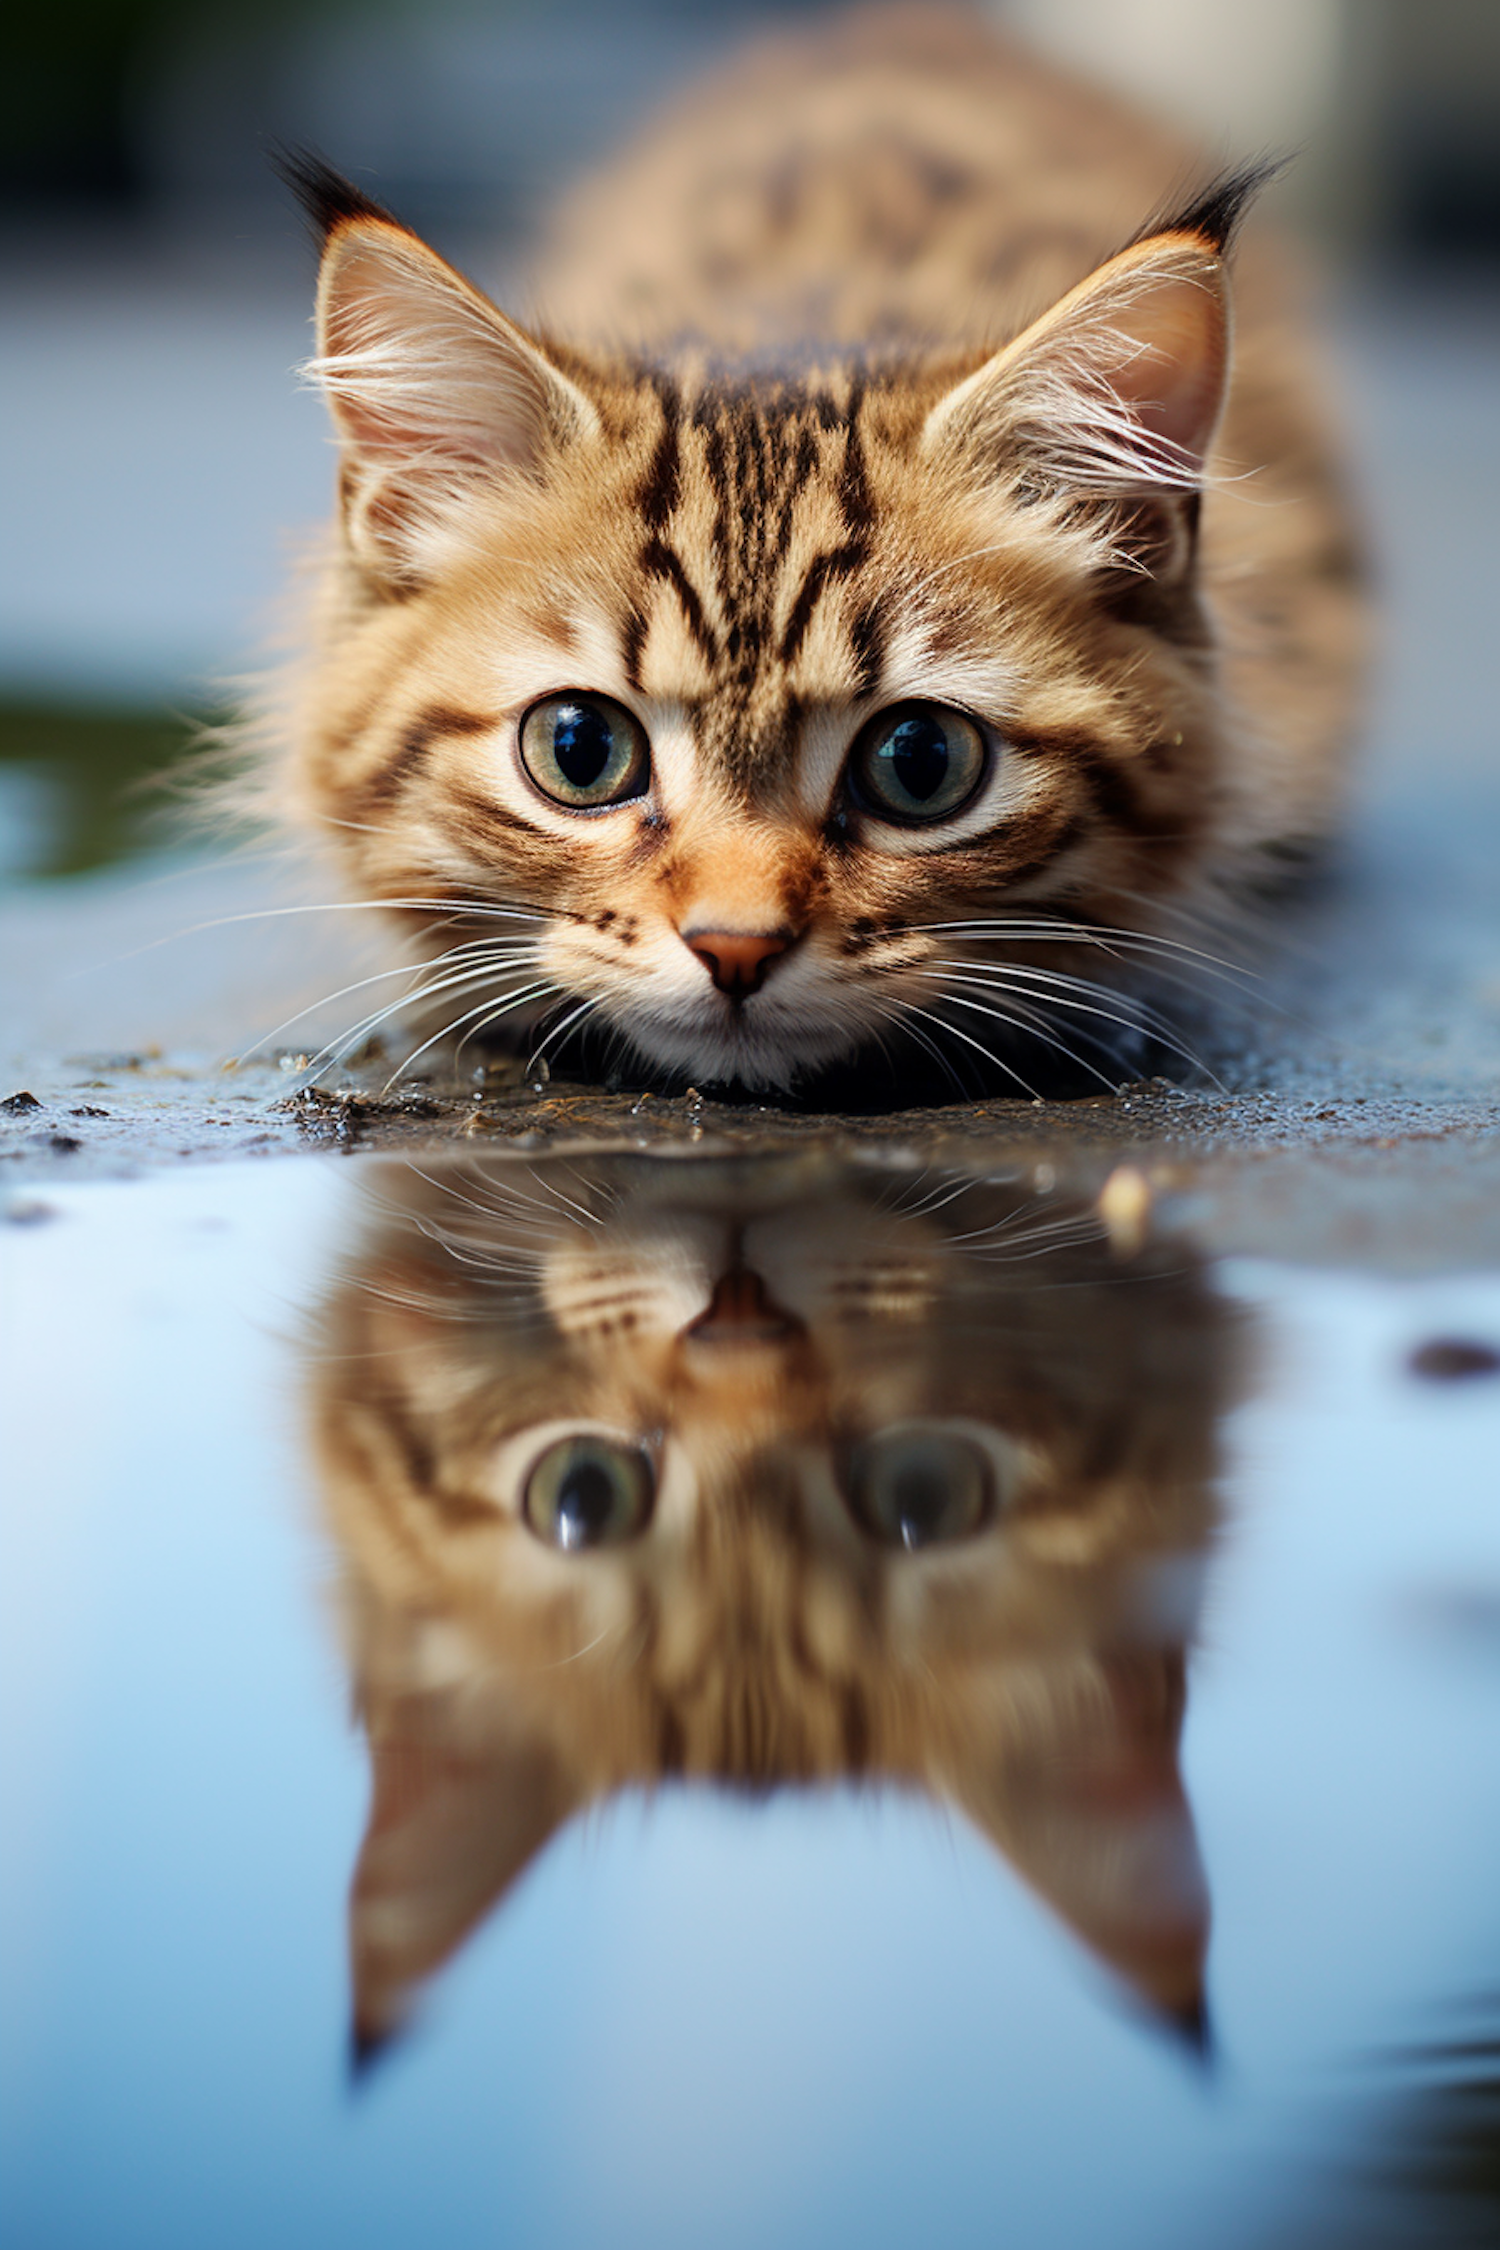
pixel 737 960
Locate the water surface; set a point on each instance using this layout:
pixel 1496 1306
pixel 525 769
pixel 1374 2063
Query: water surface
pixel 1035 1778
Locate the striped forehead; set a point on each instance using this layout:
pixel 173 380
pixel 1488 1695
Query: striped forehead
pixel 756 520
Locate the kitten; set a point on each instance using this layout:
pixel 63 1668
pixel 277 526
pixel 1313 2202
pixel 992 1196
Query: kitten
pixel 783 1472
pixel 865 616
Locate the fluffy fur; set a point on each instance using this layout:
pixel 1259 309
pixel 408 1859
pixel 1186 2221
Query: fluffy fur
pixel 749 1327
pixel 847 398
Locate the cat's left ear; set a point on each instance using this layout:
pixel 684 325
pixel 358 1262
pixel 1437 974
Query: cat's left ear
pixel 1113 397
pixel 458 1809
pixel 431 388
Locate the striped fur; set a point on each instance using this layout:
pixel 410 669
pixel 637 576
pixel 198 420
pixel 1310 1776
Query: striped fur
pixel 754 1634
pixel 856 408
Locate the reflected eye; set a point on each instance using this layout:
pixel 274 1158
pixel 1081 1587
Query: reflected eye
pixel 589 1491
pixel 583 751
pixel 917 762
pixel 915 1487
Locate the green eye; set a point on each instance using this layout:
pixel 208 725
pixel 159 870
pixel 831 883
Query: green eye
pixel 917 762
pixel 916 1487
pixel 589 1492
pixel 583 751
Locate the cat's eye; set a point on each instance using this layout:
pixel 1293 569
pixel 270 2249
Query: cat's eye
pixel 917 762
pixel 916 1486
pixel 589 1491
pixel 584 751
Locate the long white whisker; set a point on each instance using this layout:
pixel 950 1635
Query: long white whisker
pixel 473 972
pixel 537 1053
pixel 514 1000
pixel 382 976
pixel 1087 933
pixel 954 1032
pixel 477 909
pixel 1073 993
pixel 1036 1028
pixel 533 992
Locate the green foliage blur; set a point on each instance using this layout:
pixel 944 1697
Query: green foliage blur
pixel 108 777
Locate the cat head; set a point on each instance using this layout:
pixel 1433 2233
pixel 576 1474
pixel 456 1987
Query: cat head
pixel 792 1473
pixel 754 717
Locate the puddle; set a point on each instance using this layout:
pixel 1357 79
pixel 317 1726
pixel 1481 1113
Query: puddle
pixel 894 1714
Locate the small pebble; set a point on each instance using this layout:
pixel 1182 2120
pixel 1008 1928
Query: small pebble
pixel 27 1211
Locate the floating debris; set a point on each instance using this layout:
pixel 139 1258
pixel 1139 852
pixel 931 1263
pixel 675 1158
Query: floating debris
pixel 1454 1359
pixel 1125 1207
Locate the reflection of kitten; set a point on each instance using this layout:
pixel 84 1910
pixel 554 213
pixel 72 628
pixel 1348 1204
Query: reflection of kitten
pixel 765 1474
pixel 809 651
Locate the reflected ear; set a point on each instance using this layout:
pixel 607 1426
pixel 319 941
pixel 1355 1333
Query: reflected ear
pixel 1114 395
pixel 431 388
pixel 456 1814
pixel 1096 1821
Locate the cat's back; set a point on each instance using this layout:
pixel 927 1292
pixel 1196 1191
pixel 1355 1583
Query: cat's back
pixel 896 173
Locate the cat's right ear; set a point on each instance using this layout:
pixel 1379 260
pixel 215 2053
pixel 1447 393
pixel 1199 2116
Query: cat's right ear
pixel 431 388
pixel 1100 1827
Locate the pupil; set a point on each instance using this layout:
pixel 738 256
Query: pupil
pixel 581 744
pixel 585 1502
pixel 920 1499
pixel 919 754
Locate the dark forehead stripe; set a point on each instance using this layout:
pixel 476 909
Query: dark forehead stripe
pixel 762 446
pixel 662 482
pixel 853 552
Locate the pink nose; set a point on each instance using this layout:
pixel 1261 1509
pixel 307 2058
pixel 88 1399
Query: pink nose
pixel 737 960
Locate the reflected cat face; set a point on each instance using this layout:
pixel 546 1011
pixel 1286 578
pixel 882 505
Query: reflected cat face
pixel 782 1472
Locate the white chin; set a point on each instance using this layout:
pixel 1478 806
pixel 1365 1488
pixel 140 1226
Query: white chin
pixel 736 1049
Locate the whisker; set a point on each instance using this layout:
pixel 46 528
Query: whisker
pixel 480 909
pixel 954 1032
pixel 515 1000
pixel 1076 994
pixel 381 976
pixel 474 972
pixel 1108 940
pixel 537 1053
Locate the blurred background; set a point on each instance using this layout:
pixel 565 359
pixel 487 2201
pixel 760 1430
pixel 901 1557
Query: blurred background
pixel 158 457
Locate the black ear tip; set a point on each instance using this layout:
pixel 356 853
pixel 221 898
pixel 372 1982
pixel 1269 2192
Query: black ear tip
pixel 1191 2027
pixel 329 200
pixel 1215 211
pixel 368 2048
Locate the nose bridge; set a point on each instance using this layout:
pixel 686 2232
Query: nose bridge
pixel 743 877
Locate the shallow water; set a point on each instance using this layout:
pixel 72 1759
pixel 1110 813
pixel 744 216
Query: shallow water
pixel 833 1853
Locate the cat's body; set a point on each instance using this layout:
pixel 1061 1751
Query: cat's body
pixel 793 1471
pixel 808 654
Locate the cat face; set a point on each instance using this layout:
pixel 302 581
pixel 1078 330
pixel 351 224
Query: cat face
pixel 766 1474
pixel 755 721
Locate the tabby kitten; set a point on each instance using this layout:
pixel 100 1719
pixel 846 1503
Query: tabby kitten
pixel 788 1471
pixel 866 615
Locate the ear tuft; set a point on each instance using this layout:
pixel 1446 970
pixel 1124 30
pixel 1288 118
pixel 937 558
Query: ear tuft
pixel 328 200
pixel 1110 399
pixel 1215 212
pixel 433 392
